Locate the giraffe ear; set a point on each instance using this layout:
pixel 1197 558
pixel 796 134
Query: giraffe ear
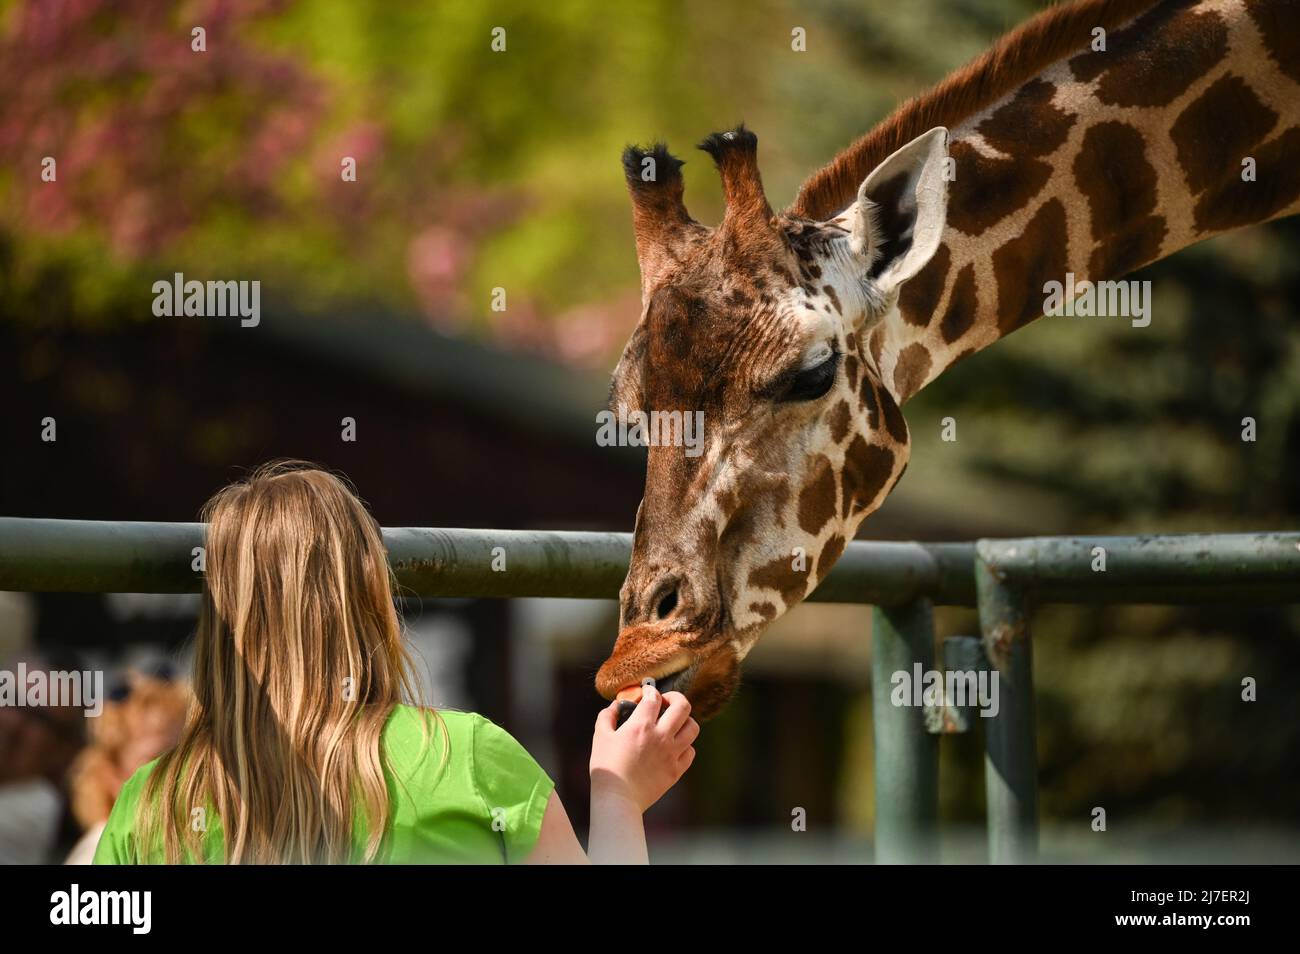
pixel 901 209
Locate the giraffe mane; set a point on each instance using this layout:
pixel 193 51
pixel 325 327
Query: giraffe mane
pixel 1018 56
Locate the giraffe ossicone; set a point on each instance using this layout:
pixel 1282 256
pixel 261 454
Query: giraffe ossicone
pixel 798 335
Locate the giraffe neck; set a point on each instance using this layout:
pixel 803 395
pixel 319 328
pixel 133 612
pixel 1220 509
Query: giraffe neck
pixel 1186 125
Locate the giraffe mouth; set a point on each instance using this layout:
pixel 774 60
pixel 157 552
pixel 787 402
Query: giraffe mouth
pixel 674 681
pixel 629 696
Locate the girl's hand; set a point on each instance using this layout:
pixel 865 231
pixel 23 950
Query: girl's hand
pixel 645 757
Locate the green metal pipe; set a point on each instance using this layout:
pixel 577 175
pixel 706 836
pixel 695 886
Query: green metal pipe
pixel 139 557
pixel 906 752
pixel 507 563
pixel 1010 747
pixel 893 574
pixel 1120 593
pixel 92 556
pixel 1182 560
pixel 102 556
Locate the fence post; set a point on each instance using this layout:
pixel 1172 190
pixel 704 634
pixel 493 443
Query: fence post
pixel 906 753
pixel 1011 757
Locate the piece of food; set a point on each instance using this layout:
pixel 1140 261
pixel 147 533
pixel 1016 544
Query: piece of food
pixel 625 710
pixel 628 697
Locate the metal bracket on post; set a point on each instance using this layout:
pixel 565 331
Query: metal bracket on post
pixel 953 716
pixel 1011 757
pixel 906 754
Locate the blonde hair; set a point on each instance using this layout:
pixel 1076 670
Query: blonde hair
pixel 299 661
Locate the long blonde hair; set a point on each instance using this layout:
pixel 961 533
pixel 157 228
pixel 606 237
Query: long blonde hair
pixel 299 661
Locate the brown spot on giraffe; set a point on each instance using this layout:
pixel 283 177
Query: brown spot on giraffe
pixel 959 316
pixel 817 498
pixel 738 299
pixel 1279 25
pixel 910 370
pixel 1026 263
pixel 1112 171
pixel 1128 249
pixel 774 488
pixel 899 476
pixel 867 468
pixel 839 420
pixel 985 191
pixel 829 292
pixel 894 422
pixel 1217 130
pixel 1028 124
pixel 876 345
pixel 830 553
pixel 919 297
pixel 867 400
pixel 851 369
pixel 765 610
pixel 1155 59
pixel 1232 203
pixel 780 575
pixel 741 532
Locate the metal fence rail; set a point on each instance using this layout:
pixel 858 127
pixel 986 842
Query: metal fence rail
pixel 93 556
pixel 903 581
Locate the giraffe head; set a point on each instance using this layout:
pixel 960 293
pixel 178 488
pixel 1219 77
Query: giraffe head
pixel 757 329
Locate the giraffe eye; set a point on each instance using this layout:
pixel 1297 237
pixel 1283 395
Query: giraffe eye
pixel 812 383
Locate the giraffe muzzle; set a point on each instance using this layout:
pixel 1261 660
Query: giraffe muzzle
pixel 706 672
pixel 630 696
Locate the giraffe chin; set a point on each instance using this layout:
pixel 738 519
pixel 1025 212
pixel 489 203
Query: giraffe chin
pixel 707 675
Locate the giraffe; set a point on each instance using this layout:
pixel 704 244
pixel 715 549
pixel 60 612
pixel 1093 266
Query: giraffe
pixel 1098 137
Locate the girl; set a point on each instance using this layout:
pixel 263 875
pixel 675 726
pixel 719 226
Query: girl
pixel 298 746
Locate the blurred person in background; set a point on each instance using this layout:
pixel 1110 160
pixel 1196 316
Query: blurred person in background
pixel 37 745
pixel 142 719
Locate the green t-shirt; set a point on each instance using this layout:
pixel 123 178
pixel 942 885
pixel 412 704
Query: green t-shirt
pixel 483 806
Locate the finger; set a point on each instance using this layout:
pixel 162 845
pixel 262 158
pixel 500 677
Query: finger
pixel 675 716
pixel 684 761
pixel 647 710
pixel 688 733
pixel 607 718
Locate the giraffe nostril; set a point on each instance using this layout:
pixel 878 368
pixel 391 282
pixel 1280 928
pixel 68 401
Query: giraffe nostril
pixel 667 604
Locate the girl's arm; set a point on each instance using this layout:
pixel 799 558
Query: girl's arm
pixel 617 830
pixel 557 843
pixel 632 766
